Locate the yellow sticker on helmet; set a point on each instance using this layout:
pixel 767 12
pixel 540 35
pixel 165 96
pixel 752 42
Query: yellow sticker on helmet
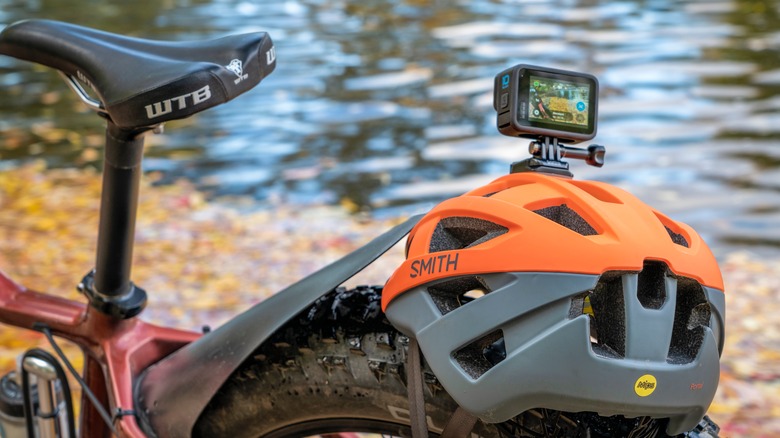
pixel 645 385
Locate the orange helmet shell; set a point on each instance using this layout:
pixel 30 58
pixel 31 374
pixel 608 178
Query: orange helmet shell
pixel 626 232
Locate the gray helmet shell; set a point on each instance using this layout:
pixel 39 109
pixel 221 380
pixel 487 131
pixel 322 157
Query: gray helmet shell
pixel 623 343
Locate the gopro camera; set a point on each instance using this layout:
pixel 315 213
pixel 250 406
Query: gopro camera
pixel 537 102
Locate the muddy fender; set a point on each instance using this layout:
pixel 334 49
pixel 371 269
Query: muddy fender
pixel 171 394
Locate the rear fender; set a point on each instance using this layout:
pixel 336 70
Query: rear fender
pixel 171 394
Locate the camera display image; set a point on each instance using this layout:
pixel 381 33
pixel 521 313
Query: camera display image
pixel 556 101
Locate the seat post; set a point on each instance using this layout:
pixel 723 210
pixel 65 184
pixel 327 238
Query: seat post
pixel 109 287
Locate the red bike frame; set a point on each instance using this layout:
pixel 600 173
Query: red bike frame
pixel 115 350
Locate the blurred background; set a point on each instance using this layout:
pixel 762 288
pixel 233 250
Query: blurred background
pixel 386 105
pixel 383 108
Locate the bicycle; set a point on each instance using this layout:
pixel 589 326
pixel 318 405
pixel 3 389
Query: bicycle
pixel 315 358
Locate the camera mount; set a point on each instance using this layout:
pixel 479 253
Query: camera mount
pixel 548 157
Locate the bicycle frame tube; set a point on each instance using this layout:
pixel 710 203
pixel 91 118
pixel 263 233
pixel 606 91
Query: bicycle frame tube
pixel 116 351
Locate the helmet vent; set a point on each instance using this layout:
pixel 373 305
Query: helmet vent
pixel 673 229
pixel 597 192
pixel 652 285
pixel 608 316
pixel 677 238
pixel 451 294
pixel 481 355
pixel 563 215
pixel 459 232
pixel 692 314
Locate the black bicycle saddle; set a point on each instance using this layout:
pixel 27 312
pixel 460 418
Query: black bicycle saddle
pixel 142 82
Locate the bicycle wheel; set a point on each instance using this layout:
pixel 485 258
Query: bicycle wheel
pixel 339 367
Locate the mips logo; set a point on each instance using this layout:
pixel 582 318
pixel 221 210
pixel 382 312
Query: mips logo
pixel 645 385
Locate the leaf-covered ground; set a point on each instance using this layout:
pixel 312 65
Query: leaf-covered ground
pixel 203 262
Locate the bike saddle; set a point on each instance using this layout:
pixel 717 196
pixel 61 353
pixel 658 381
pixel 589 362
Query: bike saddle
pixel 142 83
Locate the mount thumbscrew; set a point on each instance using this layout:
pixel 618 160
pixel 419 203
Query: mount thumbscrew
pixel 548 156
pixel 594 155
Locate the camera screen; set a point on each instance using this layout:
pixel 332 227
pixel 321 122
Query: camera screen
pixel 558 102
pixel 536 102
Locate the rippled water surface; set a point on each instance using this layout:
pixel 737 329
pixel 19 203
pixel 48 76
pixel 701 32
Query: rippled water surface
pixel 387 104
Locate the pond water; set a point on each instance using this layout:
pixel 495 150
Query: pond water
pixel 387 105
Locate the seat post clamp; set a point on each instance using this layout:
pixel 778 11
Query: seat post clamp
pixel 124 306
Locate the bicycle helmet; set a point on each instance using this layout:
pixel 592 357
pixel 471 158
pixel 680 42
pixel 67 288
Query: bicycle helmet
pixel 590 301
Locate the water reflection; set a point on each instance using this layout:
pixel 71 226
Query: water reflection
pixel 388 104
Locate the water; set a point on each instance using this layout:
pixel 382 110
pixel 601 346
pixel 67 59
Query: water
pixel 387 105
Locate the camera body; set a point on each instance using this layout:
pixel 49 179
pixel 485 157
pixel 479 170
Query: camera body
pixel 536 102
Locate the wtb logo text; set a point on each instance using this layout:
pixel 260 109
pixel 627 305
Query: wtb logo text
pixel 166 106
